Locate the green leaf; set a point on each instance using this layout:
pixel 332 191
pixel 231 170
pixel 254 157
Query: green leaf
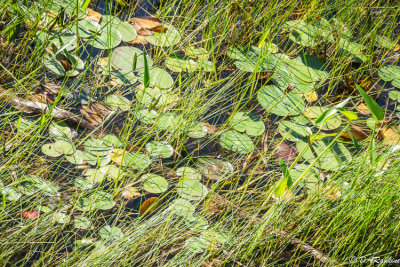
pixel 146 76
pixel 285 172
pixel 350 115
pixel 375 109
pixel 134 62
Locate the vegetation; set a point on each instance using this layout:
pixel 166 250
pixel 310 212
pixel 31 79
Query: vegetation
pixel 199 133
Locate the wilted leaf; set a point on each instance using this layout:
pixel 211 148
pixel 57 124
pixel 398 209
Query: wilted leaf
pixel 149 205
pixel 93 15
pixel 357 133
pixel 286 152
pixel 32 214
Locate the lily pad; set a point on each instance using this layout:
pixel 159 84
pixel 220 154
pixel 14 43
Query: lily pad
pixel 237 142
pixel 196 52
pixel 197 224
pixel 111 233
pixel 197 131
pixel 170 37
pixel 60 130
pixel 332 159
pixel 154 184
pixel 137 161
pixel 188 173
pixel 390 73
pixel 294 131
pixel 191 189
pixel 182 207
pixel 273 99
pixel 112 141
pixel 82 222
pixel 97 147
pixel 86 28
pixel 128 33
pixel 179 64
pixel 247 122
pixel 158 77
pixel 51 151
pixel 156 98
pixel 147 116
pixel 214 168
pixel 122 57
pixel 115 102
pixel 160 149
pixel 315 112
pixel 107 38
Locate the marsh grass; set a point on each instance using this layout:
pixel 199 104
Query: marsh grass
pixel 354 213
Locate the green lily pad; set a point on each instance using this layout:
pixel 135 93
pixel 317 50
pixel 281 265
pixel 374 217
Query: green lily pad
pixel 23 124
pixel 251 59
pixel 188 173
pixel 160 149
pixel 96 159
pixel 124 78
pixel 86 28
pixel 156 98
pixel 122 57
pixel 272 98
pixel 51 151
pixel 191 189
pixel 196 245
pixel 384 42
pixel 294 131
pixel 94 175
pixel 315 112
pixel 111 233
pixel 333 157
pixel 60 130
pixel 115 102
pixel 214 169
pixel 31 184
pixel 82 222
pixel 158 77
pixel 197 224
pixel 390 73
pixel 247 122
pixel 64 147
pixel 237 142
pixel 177 63
pixel 147 116
pixel 310 180
pixel 394 95
pixel 11 193
pixel 182 207
pixel 352 49
pixel 84 184
pixel 128 33
pixel 168 38
pixel 196 52
pixel 107 38
pixel 197 131
pixel 112 141
pixel 111 171
pixel 137 161
pixel 154 184
pixel 61 218
pixel 97 147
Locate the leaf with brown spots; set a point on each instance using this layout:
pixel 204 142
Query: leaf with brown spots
pixel 130 192
pixel 390 136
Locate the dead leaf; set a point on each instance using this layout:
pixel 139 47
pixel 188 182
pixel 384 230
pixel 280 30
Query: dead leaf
pixel 390 136
pixel 357 133
pixel 149 205
pixel 117 155
pixel 130 192
pixel 311 96
pixel 95 113
pixel 210 128
pixel 93 15
pixel 146 22
pixel 32 215
pixel 332 192
pixel 363 109
pixel 139 40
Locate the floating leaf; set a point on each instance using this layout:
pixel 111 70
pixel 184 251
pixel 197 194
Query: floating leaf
pixel 294 131
pixel 137 161
pixel 97 147
pixel 191 189
pixel 111 233
pixel 128 33
pixel 214 168
pixel 315 112
pixel 246 122
pixel 158 78
pixel 11 193
pixel 188 173
pixel 196 52
pixel 147 116
pixel 122 57
pixel 107 38
pixel 61 218
pixel 182 207
pixel 196 244
pixel 60 130
pixel 272 98
pixel 170 37
pixel 154 184
pixel 115 102
pixel 51 151
pixel 112 140
pixel 156 98
pixel 82 222
pixel 197 131
pixel 86 28
pixel 333 157
pixel 160 149
pixel 237 142
pixel 149 206
pixel 197 224
pixel 177 63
